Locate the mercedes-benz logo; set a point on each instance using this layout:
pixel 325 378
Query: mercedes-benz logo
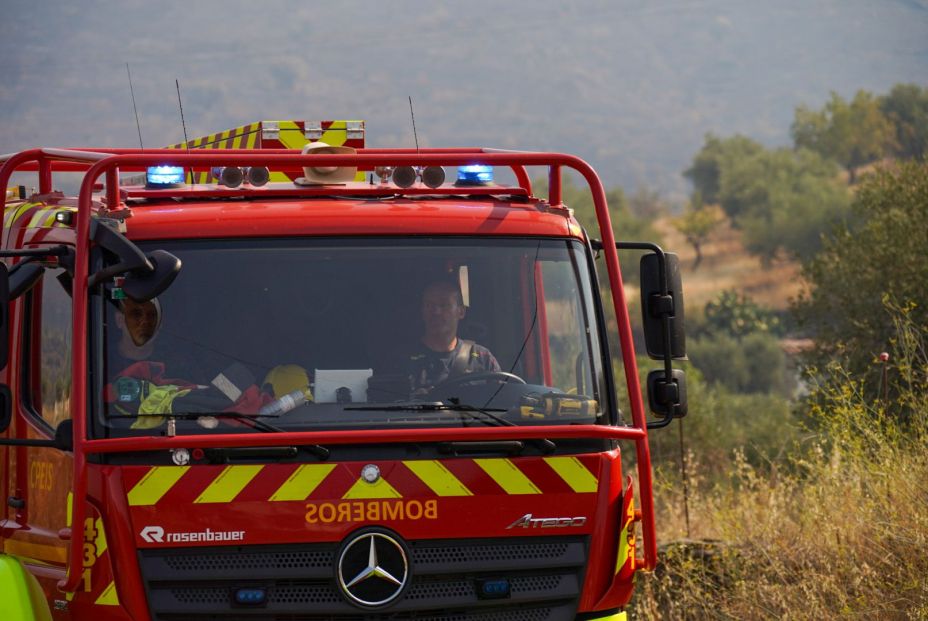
pixel 373 568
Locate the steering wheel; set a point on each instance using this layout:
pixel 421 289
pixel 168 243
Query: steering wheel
pixel 487 377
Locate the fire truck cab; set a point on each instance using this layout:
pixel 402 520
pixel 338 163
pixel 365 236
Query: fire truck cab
pixel 218 402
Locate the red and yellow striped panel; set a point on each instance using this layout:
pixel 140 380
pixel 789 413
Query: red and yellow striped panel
pixel 172 485
pixel 289 135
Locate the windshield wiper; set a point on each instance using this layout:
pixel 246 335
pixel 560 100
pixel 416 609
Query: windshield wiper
pixel 251 420
pixel 487 418
pixel 418 406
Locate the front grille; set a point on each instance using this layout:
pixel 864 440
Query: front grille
pixel 197 584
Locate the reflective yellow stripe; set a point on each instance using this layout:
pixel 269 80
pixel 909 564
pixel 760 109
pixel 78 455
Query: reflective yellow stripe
pixel 154 485
pixel 252 136
pixel 37 218
pixel 508 476
pixel 108 597
pixel 228 484
pixel 291 136
pixel 574 474
pixel 336 135
pixel 363 489
pixel 438 478
pixel 303 482
pixel 618 616
pixel 100 541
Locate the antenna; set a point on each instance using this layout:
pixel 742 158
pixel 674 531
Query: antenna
pixel 184 125
pixel 132 92
pixel 413 116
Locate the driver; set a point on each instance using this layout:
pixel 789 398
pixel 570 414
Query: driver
pixel 440 354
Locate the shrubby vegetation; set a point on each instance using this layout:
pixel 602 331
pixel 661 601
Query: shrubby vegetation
pixel 838 526
pixel 784 200
pixel 812 509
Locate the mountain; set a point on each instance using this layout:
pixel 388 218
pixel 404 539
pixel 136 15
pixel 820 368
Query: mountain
pixel 632 85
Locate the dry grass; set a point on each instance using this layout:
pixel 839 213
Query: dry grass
pixel 836 529
pixel 727 265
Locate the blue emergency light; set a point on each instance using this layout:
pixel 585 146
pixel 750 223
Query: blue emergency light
pixel 164 176
pixel 474 174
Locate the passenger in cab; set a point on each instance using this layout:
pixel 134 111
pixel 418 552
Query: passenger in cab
pixel 440 353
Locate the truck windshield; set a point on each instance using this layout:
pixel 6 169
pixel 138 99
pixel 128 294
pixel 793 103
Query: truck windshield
pixel 372 333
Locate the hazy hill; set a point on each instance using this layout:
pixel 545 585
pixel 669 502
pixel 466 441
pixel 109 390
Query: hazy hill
pixel 630 85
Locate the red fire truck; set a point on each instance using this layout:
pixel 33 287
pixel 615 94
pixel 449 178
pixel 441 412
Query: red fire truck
pixel 222 399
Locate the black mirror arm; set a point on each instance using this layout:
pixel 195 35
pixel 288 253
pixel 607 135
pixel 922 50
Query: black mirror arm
pixel 130 256
pixel 63 439
pixel 37 253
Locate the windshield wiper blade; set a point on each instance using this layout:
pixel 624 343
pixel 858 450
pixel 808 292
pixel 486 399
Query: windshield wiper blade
pixel 417 406
pixel 252 421
pixel 488 418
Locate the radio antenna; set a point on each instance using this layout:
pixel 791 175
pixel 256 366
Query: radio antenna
pixel 184 125
pixel 134 107
pixel 182 122
pixel 413 116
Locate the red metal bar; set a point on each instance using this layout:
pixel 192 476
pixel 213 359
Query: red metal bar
pixel 542 319
pixel 381 436
pixel 63 165
pixel 554 186
pixel 219 158
pixel 531 357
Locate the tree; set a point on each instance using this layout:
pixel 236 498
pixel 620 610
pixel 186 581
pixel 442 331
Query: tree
pixel 853 134
pixel 881 258
pixel 906 107
pixel 697 223
pixel 713 159
pixel 783 200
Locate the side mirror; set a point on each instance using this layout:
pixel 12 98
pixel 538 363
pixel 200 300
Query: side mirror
pixel 667 398
pixel 662 306
pixel 142 286
pixel 146 276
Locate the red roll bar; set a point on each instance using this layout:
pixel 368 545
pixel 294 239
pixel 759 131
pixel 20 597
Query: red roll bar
pixel 97 162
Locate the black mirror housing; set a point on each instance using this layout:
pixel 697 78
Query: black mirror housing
pixel 142 286
pixel 655 305
pixel 667 399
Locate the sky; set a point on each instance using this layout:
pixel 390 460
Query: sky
pixel 632 86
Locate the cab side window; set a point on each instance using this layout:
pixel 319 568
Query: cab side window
pixel 48 343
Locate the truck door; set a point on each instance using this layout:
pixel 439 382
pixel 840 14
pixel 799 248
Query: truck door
pixel 43 475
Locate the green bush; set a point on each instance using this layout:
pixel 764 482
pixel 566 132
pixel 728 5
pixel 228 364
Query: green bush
pixel 752 364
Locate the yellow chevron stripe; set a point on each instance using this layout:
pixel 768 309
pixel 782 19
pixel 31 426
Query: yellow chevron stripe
pixel 252 136
pixel 302 482
pixel 100 541
pixel 618 616
pixel 108 597
pixel 279 177
pixel 37 218
pixel 336 135
pixel 17 213
pixel 438 478
pixel 363 489
pixel 290 135
pixel 228 484
pixel 574 474
pixel 154 485
pixel 508 476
